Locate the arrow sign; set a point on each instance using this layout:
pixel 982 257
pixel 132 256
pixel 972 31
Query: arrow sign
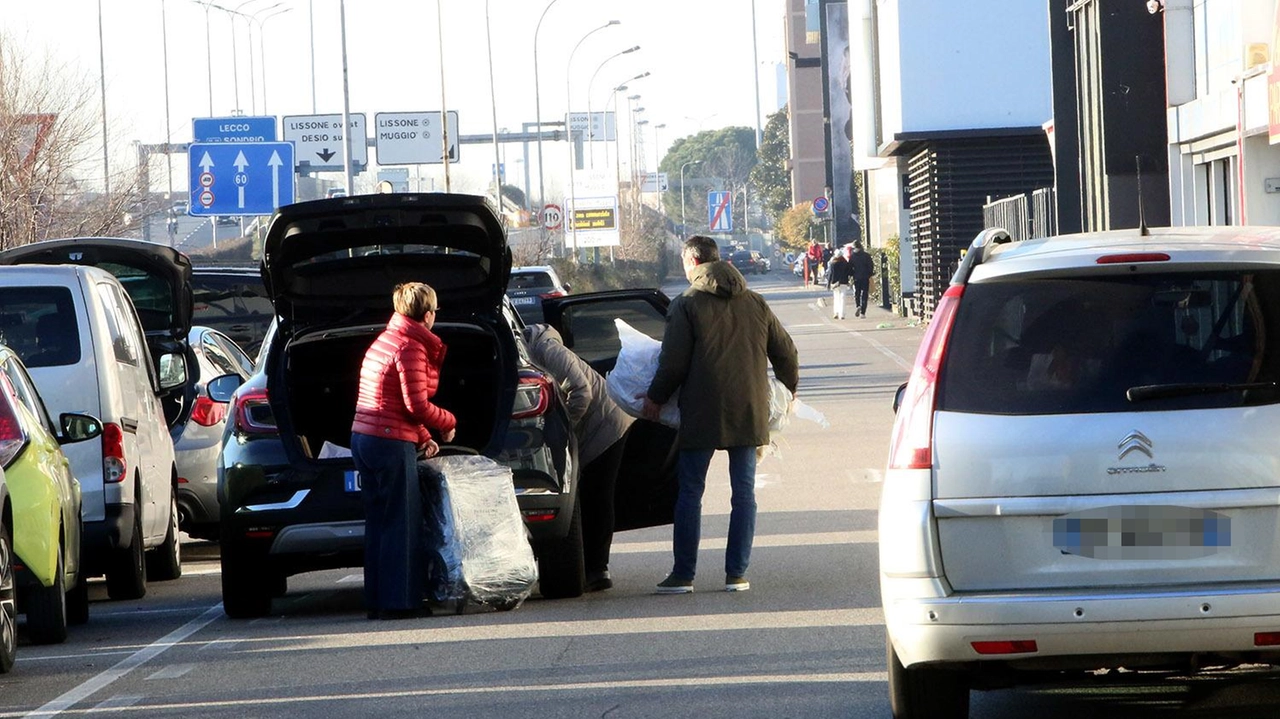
pixel 260 186
pixel 275 162
pixel 241 163
pixel 326 154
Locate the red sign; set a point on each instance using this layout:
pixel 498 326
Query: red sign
pixel 33 130
pixel 552 217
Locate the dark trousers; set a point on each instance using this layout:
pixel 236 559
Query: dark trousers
pixel 599 477
pixel 393 555
pixel 861 288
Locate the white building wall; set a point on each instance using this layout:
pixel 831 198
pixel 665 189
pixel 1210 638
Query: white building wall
pixel 971 65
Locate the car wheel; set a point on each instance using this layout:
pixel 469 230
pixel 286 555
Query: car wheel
pixel 246 588
pixel 561 568
pixel 127 573
pixel 78 602
pixel 47 609
pixel 165 562
pixel 925 692
pixel 8 604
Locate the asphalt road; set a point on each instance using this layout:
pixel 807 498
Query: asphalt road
pixel 805 641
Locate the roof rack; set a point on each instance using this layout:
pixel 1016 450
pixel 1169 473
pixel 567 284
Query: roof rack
pixel 979 251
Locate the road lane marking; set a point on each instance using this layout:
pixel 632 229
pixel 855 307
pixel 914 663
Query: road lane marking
pixel 699 682
pixel 434 632
pixel 903 363
pixel 865 536
pixel 173 671
pixel 135 660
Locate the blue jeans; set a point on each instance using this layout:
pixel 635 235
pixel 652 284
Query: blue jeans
pixel 692 466
pixel 394 564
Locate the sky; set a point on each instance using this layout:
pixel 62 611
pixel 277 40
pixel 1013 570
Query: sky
pixel 699 54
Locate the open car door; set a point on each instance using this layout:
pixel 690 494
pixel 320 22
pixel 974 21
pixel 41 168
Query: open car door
pixel 645 495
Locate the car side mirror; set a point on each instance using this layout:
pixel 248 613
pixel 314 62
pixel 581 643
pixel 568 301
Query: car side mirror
pixel 78 427
pixel 173 371
pixel 897 396
pixel 221 388
pixel 567 287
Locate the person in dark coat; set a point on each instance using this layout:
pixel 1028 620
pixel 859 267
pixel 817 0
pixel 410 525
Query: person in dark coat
pixel 393 421
pixel 861 268
pixel 719 340
pixel 838 283
pixel 601 428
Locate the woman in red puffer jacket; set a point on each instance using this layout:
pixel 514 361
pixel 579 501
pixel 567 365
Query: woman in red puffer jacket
pixel 394 418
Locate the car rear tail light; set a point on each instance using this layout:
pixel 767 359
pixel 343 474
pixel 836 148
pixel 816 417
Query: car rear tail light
pixel 1266 639
pixel 114 467
pixel 551 294
pixel 538 515
pixel 912 446
pixel 1132 257
pixel 252 411
pixel 12 436
pixel 1016 646
pixel 207 413
pixel 533 395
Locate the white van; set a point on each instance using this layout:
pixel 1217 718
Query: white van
pixel 90 350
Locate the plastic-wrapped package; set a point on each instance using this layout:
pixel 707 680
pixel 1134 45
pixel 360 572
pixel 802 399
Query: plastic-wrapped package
pixel 486 557
pixel 633 372
pixel 782 407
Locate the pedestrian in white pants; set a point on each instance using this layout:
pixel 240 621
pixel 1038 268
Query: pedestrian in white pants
pixel 838 282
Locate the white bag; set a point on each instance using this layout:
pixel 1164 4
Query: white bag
pixel 631 375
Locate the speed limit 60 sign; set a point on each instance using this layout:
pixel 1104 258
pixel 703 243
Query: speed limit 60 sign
pixel 552 217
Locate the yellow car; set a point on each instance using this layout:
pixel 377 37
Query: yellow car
pixel 44 504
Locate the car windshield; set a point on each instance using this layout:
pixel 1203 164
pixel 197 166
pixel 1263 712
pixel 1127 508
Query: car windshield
pixel 1080 345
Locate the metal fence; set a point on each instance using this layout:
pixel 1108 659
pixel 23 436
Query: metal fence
pixel 1025 216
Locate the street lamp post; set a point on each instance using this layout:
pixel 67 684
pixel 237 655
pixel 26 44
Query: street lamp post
pixel 537 100
pixel 657 147
pixel 573 154
pixel 684 233
pixel 568 88
pixel 613 98
pixel 493 106
pixel 591 135
pixel 262 49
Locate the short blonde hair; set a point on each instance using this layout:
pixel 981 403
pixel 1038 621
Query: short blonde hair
pixel 414 300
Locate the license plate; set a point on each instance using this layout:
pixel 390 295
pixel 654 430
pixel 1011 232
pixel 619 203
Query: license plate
pixel 1142 532
pixel 352 480
pixel 524 300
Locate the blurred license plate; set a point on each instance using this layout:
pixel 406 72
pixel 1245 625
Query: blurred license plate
pixel 524 300
pixel 352 481
pixel 1142 532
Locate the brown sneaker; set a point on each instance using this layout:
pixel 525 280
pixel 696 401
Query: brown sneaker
pixel 675 585
pixel 736 584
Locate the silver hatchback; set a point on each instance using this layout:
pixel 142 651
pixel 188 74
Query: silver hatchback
pixel 1084 474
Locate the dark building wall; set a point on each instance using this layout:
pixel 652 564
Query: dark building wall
pixel 1066 122
pixel 1109 114
pixel 949 181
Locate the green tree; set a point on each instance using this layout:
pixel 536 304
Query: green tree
pixel 770 178
pixel 713 160
pixel 793 227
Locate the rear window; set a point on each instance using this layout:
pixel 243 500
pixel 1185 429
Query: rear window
pixel 151 295
pixel 741 257
pixel 1058 346
pixel 39 324
pixel 529 280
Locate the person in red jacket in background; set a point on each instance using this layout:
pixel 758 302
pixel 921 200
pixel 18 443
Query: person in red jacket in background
pixel 393 421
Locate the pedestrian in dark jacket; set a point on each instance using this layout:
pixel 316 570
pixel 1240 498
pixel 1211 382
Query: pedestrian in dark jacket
pixel 861 268
pixel 601 427
pixel 838 283
pixel 393 421
pixel 719 340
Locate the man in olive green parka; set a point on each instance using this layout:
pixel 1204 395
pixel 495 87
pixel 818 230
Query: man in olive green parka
pixel 719 339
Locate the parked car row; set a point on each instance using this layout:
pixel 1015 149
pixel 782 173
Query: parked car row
pixel 97 332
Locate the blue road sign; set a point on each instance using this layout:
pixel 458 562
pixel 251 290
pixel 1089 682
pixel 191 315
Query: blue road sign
pixel 240 178
pixel 720 211
pixel 234 129
pixel 821 204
